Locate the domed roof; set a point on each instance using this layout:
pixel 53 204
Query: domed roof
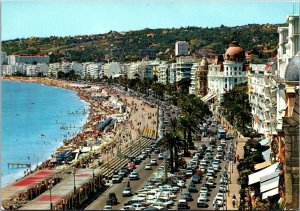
pixel 293 69
pixel 234 52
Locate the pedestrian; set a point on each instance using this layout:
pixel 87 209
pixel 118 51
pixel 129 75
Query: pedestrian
pixel 235 159
pixel 233 202
pixel 128 184
pixel 181 190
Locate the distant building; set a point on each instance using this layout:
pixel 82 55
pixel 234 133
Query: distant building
pixel 223 76
pixel 151 53
pixel 111 69
pixel 163 73
pixel 3 58
pixel 183 67
pixel 172 74
pixel 91 70
pixel 201 78
pixel 16 59
pixel 192 88
pixel 181 48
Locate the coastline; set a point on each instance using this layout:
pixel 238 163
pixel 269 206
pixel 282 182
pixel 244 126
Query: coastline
pixel 89 130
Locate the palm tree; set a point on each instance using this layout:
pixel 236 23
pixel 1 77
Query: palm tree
pixel 167 143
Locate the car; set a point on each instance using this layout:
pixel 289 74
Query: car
pixel 116 179
pixel 196 179
pixel 112 199
pixel 138 206
pixel 192 188
pixel 128 207
pixel 122 174
pixel 210 183
pixel 216 168
pixel 148 167
pixel 189 173
pixel 127 192
pixel 222 189
pixel 182 204
pixel 153 162
pixel 220 149
pixel 202 168
pixel 204 190
pixel 219 199
pixel 156 151
pixel 203 196
pixel 131 165
pixel 201 203
pixel 209 175
pixel 223 142
pixel 224 181
pixel 187 196
pixel 134 175
pixel 180 183
pixel 203 163
pixel 107 207
pixel 210 170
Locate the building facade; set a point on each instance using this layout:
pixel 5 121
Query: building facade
pixel 181 48
pixel 201 78
pixel 27 59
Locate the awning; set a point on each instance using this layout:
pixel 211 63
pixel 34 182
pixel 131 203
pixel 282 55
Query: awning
pixel 208 97
pixel 265 142
pixel 266 154
pixel 255 177
pixel 270 193
pixel 269 184
pixel 262 165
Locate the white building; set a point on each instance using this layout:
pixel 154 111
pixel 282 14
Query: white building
pixel 224 76
pixel 53 69
pixel 91 70
pixel 260 94
pixel 192 88
pixel 163 70
pixel 77 67
pixel 183 67
pixel 65 67
pixel 31 70
pixel 111 69
pixel 132 70
pixel 16 59
pixel 172 74
pixel 181 48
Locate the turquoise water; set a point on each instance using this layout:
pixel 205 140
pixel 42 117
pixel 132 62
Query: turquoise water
pixel 32 116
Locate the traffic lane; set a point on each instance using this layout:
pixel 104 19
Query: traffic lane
pixel 136 185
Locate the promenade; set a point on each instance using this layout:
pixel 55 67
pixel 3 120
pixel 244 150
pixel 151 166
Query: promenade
pixel 234 187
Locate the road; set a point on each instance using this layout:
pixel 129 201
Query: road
pixel 136 185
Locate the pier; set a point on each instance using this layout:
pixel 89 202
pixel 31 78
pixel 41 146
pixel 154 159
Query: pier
pixel 19 165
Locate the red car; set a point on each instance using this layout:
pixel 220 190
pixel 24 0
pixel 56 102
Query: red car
pixel 131 165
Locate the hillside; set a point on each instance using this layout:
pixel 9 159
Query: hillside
pixel 125 46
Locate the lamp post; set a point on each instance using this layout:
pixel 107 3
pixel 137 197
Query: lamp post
pixel 94 180
pixel 50 188
pixel 74 173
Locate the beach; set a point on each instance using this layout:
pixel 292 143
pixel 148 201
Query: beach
pixel 132 113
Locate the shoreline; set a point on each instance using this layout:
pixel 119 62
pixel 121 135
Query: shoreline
pixel 94 118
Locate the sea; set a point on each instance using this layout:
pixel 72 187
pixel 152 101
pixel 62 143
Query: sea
pixel 36 119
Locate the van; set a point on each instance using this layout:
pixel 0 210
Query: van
pixel 182 204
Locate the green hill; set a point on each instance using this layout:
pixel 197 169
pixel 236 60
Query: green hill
pixel 125 46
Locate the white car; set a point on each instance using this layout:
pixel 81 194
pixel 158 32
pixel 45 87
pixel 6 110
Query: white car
pixel 189 173
pixel 128 207
pixel 160 156
pixel 153 162
pixel 220 149
pixel 222 189
pixel 138 206
pixel 134 175
pixel 180 183
pixel 148 167
pixel 204 190
pixel 107 207
pixel 219 199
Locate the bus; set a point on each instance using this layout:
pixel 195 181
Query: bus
pixel 221 133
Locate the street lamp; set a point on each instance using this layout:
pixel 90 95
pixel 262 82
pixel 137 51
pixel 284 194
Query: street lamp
pixel 51 182
pixel 74 173
pixel 94 179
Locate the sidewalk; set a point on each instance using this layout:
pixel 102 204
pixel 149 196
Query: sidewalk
pixel 234 187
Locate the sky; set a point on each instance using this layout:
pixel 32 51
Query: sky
pixel 44 18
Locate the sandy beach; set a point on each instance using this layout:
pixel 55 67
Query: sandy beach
pixel 139 115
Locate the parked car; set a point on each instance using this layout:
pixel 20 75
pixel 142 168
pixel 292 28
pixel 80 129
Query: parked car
pixel 192 188
pixel 182 204
pixel 187 196
pixel 181 183
pixel 107 207
pixel 219 200
pixel 138 206
pixel 196 179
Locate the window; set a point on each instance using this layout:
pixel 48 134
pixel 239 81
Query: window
pixel 240 68
pixel 235 80
pixel 226 68
pixel 235 68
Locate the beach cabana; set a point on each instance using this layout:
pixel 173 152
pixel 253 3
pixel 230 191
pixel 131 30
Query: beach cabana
pixel 26 188
pixel 67 196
